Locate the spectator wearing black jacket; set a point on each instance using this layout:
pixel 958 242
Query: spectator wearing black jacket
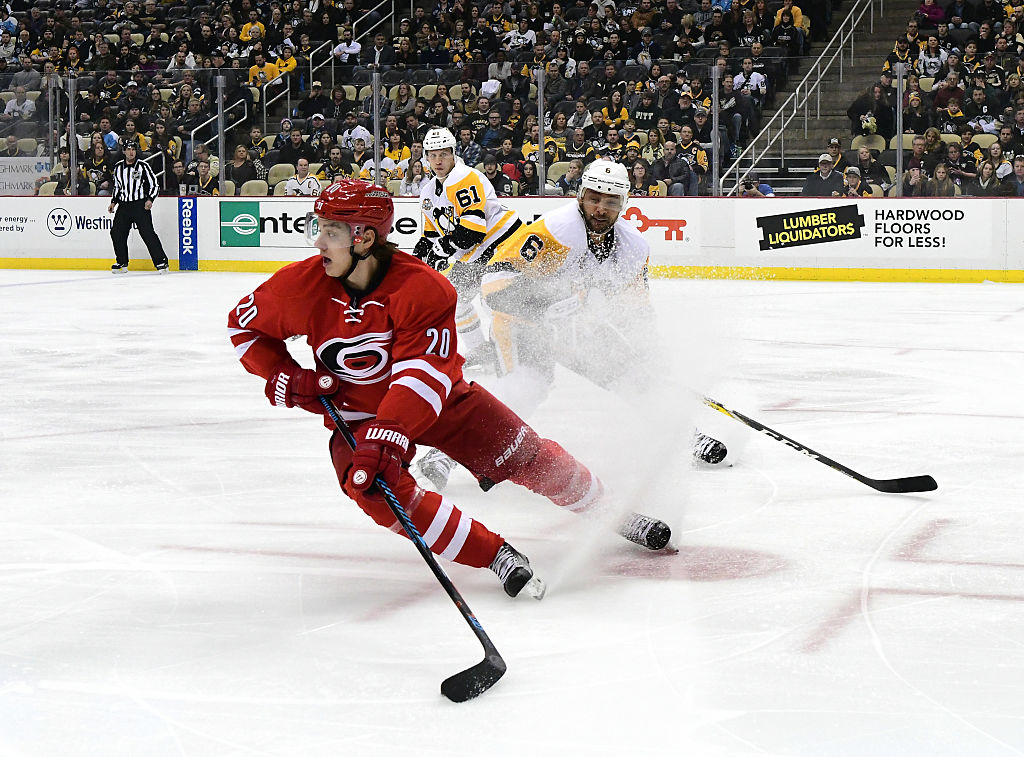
pixel 825 182
pixel 673 169
pixel 295 148
pixel 314 102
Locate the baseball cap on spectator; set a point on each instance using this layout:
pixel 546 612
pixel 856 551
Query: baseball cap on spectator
pixel 318 115
pixel 834 141
pixel 286 121
pixel 853 169
pixel 633 145
pixel 316 84
pixel 131 83
pixel 701 112
pixel 990 54
pixel 687 95
pixel 824 158
pixel 647 32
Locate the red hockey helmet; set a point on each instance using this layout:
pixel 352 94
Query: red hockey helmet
pixel 360 204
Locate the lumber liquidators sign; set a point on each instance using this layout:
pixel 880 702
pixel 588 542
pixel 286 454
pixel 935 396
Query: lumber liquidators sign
pixel 810 227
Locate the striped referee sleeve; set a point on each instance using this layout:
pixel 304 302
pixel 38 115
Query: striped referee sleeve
pixel 135 182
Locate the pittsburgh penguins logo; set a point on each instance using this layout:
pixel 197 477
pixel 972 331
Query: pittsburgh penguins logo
pixel 444 219
pixel 363 359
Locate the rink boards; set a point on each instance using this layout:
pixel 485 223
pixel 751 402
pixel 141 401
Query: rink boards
pixel 835 239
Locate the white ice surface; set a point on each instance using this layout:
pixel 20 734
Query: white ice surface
pixel 180 574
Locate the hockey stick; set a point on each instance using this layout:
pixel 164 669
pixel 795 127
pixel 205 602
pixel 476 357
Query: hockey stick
pixel 889 485
pixel 473 681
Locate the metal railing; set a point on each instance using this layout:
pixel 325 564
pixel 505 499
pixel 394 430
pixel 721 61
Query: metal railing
pixel 359 35
pixel 213 119
pixel 774 131
pixel 286 93
pixel 314 67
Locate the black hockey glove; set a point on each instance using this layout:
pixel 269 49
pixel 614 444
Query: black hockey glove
pixel 442 253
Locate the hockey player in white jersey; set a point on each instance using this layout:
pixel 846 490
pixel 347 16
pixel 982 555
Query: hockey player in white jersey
pixel 572 288
pixel 463 224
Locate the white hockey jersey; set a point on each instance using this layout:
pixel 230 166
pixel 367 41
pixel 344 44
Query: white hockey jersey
pixel 309 187
pixel 555 248
pixel 465 198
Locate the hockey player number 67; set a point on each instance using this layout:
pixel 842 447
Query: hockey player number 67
pixel 441 341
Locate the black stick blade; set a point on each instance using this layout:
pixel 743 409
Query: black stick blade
pixel 474 681
pixel 907 485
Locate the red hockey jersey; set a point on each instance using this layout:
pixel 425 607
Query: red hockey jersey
pixel 393 347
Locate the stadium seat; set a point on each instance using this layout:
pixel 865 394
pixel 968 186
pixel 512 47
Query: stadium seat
pixel 984 141
pixel 280 173
pixel 394 186
pixel 48 188
pixel 907 141
pixel 28 145
pixel 279 188
pixel 557 170
pixel 871 141
pixel 255 188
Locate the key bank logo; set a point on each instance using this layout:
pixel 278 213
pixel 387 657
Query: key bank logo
pixel 58 222
pixel 240 224
pixel 673 226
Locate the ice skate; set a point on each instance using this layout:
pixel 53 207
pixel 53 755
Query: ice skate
pixel 708 450
pixel 436 467
pixel 119 268
pixel 514 571
pixel 482 358
pixel 647 532
pixel 161 267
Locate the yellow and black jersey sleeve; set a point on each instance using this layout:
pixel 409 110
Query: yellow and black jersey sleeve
pixel 532 250
pixel 468 199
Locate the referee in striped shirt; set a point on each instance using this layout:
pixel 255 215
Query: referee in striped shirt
pixel 135 188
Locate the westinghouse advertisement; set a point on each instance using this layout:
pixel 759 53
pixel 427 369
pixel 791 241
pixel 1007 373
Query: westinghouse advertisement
pixel 869 229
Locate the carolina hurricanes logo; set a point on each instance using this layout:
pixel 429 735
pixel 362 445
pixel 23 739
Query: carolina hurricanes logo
pixel 362 359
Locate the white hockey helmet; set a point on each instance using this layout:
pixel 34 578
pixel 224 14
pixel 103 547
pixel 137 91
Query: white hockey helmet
pixel 606 177
pixel 438 139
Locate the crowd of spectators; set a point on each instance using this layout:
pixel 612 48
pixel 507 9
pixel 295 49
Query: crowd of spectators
pixel 963 103
pixel 627 81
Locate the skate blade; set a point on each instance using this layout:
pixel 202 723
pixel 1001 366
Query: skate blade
pixel 536 588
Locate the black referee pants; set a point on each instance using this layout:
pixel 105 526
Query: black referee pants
pixel 130 214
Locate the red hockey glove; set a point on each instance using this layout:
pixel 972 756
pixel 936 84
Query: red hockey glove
pixel 289 385
pixel 379 449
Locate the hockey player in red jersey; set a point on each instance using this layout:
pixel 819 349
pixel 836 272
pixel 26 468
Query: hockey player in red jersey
pixel 381 325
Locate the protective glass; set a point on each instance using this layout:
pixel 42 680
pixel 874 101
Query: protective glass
pixel 338 232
